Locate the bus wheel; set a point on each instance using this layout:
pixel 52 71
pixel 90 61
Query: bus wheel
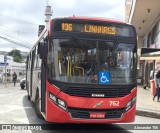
pixel 22 87
pixel 37 110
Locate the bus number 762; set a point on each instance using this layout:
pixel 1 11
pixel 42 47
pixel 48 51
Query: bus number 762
pixel 114 103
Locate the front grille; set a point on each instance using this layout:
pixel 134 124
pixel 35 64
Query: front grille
pixel 87 92
pixel 85 113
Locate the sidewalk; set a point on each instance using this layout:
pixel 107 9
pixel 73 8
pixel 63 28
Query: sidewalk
pixel 3 85
pixel 145 105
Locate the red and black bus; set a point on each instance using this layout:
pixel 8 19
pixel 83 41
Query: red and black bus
pixel 83 70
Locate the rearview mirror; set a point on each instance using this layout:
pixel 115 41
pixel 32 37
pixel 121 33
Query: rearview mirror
pixel 43 50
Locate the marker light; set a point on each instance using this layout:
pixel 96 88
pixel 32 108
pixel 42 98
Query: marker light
pixel 61 102
pixel 57 101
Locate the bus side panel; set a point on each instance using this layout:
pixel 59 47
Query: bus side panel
pixel 34 75
pixel 28 81
pixel 43 86
pixel 34 84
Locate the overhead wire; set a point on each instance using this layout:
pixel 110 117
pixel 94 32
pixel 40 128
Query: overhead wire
pixel 3 22
pixel 17 34
pixel 14 42
pixel 23 41
pixel 16 19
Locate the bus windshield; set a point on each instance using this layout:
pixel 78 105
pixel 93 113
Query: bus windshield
pixel 81 61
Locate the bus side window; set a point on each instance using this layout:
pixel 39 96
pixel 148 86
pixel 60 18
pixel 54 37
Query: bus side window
pixel 29 61
pixel 38 63
pixel 35 58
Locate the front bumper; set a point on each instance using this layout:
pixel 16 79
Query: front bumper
pixel 58 115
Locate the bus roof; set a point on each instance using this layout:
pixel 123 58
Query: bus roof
pixel 95 19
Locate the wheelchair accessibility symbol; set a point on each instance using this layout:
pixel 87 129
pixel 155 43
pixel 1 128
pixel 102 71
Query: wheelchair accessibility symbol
pixel 104 78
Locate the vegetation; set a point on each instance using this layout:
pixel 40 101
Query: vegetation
pixel 16 54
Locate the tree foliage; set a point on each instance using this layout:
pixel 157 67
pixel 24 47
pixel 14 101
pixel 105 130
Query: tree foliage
pixel 16 54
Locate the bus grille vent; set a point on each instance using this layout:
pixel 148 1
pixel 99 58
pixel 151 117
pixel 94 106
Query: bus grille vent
pixel 106 92
pixel 85 113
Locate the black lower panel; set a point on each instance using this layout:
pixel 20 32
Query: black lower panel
pixel 85 113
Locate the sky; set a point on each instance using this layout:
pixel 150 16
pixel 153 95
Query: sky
pixel 19 19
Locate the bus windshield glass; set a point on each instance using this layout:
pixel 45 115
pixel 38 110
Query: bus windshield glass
pixel 86 61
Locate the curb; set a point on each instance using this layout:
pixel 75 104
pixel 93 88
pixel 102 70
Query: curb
pixel 152 114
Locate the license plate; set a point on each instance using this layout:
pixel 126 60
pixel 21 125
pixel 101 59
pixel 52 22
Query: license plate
pixel 95 115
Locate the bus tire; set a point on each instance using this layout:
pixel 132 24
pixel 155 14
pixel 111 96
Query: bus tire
pixel 22 87
pixel 36 106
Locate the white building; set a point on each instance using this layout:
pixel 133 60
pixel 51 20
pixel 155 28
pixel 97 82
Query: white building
pixel 11 67
pixel 145 16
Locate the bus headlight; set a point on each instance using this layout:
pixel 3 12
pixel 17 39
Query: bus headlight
pixel 53 98
pixel 58 101
pixel 61 104
pixel 130 103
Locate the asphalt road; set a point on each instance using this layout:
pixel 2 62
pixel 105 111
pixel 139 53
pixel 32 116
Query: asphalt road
pixel 16 109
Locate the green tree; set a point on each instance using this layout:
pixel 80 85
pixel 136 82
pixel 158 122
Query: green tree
pixel 16 54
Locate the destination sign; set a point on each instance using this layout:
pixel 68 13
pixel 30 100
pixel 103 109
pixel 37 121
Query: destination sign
pixel 88 28
pixel 60 26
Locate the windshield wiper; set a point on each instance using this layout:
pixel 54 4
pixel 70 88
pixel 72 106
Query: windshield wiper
pixel 115 45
